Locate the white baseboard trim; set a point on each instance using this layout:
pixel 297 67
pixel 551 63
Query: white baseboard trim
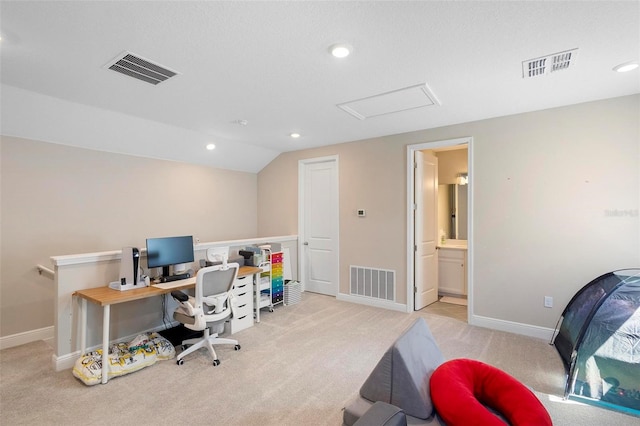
pixel 65 362
pixel 512 327
pixel 18 339
pixel 369 301
pixel 477 320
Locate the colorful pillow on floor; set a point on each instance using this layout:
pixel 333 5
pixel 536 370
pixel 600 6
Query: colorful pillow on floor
pixel 461 388
pixel 164 348
pixel 124 358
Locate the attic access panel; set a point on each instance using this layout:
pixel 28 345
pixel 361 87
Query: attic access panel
pixel 404 99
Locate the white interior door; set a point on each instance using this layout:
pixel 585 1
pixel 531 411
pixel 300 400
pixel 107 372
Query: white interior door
pixel 426 229
pixel 318 204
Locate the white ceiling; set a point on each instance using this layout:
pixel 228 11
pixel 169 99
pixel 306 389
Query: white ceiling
pixel 268 63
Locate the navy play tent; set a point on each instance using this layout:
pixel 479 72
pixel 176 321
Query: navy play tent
pixel 599 342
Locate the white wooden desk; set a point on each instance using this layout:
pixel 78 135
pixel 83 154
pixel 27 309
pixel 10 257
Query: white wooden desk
pixel 105 297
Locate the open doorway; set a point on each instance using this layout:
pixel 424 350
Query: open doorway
pixel 452 231
pixel 453 212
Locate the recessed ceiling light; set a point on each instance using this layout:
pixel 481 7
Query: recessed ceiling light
pixel 627 66
pixel 340 50
pixel 211 147
pixel 295 135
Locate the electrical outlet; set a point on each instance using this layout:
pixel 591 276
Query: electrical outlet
pixel 548 302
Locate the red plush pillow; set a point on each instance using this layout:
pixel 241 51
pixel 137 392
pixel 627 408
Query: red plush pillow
pixel 461 388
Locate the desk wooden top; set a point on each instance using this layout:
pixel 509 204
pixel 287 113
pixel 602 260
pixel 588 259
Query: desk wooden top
pixel 107 296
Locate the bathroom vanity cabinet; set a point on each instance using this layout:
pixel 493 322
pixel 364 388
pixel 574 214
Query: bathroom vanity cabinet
pixel 452 269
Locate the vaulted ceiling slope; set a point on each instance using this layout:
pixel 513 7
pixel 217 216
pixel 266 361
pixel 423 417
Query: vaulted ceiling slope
pixel 251 73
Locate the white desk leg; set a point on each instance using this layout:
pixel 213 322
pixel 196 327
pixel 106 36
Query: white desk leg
pixel 83 326
pixel 106 313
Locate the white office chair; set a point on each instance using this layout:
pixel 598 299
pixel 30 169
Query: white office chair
pixel 213 303
pixel 218 254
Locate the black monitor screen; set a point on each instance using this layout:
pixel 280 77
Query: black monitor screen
pixel 163 252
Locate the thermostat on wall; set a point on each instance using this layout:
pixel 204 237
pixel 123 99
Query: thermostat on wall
pixel 361 213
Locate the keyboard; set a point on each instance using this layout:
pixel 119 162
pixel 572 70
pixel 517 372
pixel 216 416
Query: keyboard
pixel 175 284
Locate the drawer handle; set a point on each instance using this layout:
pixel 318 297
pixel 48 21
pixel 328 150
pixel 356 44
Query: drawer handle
pixel 241 278
pixel 243 317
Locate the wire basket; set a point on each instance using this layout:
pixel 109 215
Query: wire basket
pixel 292 292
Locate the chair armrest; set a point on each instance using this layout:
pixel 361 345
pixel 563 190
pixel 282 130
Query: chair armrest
pixel 383 414
pixel 186 306
pixel 179 296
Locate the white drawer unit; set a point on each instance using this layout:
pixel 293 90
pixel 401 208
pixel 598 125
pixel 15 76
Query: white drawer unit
pixel 243 318
pixel 452 271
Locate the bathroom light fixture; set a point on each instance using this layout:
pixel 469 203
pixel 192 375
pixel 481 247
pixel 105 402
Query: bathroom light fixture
pixel 462 179
pixel 627 66
pixel 295 135
pixel 211 147
pixel 340 50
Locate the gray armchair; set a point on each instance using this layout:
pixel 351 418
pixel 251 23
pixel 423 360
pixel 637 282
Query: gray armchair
pixel 382 414
pixel 400 379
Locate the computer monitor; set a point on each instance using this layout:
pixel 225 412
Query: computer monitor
pixel 169 251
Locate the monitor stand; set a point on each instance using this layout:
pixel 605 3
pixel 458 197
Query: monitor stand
pixel 165 271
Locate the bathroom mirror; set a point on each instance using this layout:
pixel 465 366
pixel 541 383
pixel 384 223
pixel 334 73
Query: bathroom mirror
pixel 452 211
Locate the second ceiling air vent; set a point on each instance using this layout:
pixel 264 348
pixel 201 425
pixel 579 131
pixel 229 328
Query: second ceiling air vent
pixel 130 64
pixel 548 64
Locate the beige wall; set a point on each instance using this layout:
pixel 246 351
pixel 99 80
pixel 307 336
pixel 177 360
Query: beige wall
pixel 543 183
pixel 450 163
pixel 369 179
pixel 544 186
pixel 60 200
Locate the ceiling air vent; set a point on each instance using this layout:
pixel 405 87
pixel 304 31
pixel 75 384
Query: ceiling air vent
pixel 549 64
pixel 134 66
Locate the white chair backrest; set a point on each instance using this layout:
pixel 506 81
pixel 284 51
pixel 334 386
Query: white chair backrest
pixel 215 280
pixel 218 254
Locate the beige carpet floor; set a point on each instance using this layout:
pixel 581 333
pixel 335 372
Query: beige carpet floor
pixel 454 300
pixel 298 366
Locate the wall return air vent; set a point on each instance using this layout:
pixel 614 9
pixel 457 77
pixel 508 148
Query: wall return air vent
pixel 130 64
pixel 549 64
